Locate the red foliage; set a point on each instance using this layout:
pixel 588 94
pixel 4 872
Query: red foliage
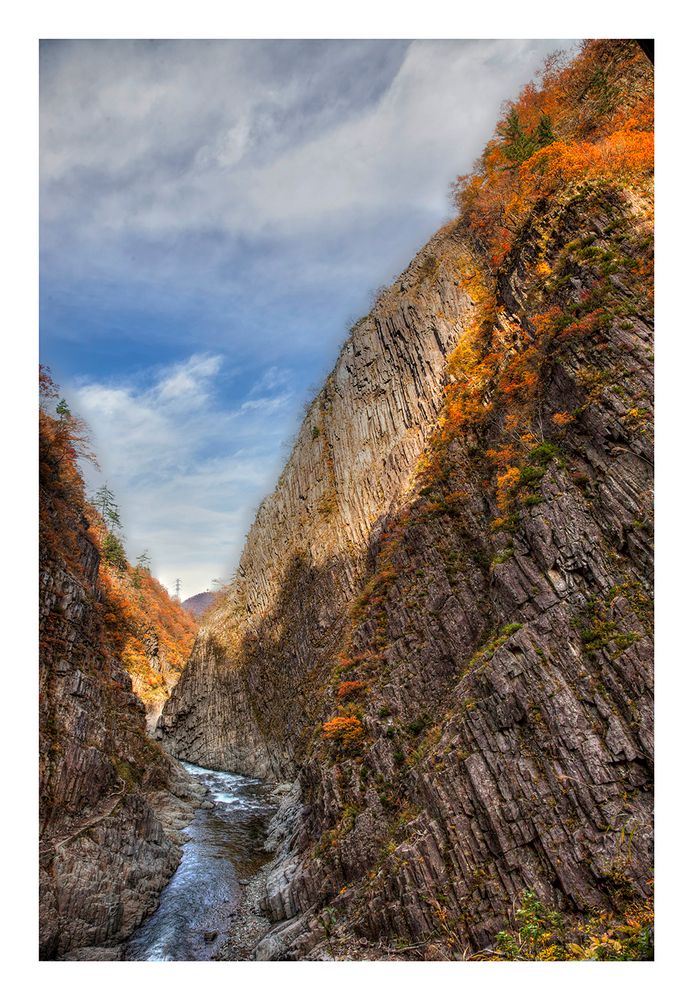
pixel 350 689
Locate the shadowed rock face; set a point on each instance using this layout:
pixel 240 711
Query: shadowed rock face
pixel 502 645
pixel 111 803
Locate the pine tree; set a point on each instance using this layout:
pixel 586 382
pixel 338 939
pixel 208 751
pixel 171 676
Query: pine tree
pixel 143 566
pixel 105 502
pixel 518 145
pixel 114 553
pixel 113 549
pixel 544 134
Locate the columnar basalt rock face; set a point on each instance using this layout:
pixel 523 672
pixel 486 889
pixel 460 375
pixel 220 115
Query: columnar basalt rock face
pixel 112 804
pixel 505 669
pixel 354 457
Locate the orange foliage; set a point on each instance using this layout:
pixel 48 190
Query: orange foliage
pixel 155 632
pixel 588 123
pixel 368 658
pixel 61 487
pixel 346 730
pixel 600 113
pixel 501 456
pixel 350 689
pixel 507 483
pixel 520 374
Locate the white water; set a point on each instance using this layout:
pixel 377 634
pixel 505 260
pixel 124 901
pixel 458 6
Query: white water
pixel 203 895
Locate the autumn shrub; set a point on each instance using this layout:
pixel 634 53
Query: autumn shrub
pixel 350 689
pixel 541 934
pixel 345 730
pixel 373 592
pixel 507 483
pixel 591 119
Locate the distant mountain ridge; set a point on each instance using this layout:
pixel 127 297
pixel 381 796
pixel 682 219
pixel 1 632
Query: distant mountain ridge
pixel 198 603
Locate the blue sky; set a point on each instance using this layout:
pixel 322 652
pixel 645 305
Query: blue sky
pixel 214 216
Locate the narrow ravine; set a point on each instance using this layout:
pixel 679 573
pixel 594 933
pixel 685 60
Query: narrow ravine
pixel 203 913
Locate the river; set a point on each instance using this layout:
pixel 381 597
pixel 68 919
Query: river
pixel 204 897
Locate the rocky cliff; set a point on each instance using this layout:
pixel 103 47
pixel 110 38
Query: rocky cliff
pixel 441 627
pixel 307 550
pixel 112 804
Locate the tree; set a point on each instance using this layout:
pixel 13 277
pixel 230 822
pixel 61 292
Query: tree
pixel 544 133
pixel 70 435
pixel 143 566
pixel 114 553
pixel 105 502
pixel 47 387
pixel 518 145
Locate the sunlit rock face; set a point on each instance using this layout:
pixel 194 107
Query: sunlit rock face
pixel 353 461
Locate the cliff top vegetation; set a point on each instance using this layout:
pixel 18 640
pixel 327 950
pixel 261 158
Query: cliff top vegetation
pixel 150 633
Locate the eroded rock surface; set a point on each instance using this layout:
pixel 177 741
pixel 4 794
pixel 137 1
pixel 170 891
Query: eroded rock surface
pixel 306 552
pixel 112 804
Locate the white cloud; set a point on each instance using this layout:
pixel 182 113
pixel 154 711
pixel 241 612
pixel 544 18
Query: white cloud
pixel 187 381
pixel 246 196
pixel 164 139
pixel 187 469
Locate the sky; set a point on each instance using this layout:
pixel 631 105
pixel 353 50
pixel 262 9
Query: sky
pixel 214 215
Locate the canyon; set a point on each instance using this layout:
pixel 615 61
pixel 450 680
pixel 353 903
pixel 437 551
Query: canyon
pixel 438 644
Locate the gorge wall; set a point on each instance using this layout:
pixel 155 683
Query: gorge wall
pixel 440 631
pixel 308 548
pixel 111 803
